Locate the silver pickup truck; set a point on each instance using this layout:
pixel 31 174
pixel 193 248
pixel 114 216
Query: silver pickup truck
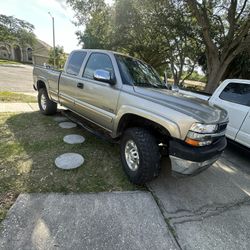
pixel 126 98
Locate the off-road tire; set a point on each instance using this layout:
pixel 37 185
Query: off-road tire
pixel 149 155
pixel 50 107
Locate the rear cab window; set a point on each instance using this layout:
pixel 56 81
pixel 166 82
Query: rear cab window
pixel 237 93
pixel 75 62
pixel 97 61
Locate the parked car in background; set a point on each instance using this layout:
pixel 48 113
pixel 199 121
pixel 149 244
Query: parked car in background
pixel 233 95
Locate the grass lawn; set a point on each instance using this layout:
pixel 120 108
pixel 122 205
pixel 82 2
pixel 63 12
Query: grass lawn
pixel 2 61
pixel 16 97
pixel 29 144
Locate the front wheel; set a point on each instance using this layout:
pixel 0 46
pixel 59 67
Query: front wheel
pixel 140 155
pixel 46 106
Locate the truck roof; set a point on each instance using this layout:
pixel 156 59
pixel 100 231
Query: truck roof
pixel 104 51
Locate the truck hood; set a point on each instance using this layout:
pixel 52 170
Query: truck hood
pixel 188 105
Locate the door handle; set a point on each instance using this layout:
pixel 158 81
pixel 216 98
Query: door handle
pixel 80 85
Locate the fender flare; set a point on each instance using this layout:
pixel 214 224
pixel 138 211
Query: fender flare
pixel 171 126
pixel 44 80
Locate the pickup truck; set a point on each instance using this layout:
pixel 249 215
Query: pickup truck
pixel 233 95
pixel 127 99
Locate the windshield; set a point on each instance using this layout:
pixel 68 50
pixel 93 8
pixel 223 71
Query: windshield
pixel 138 73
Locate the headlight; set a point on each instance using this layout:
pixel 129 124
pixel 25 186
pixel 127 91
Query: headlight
pixel 204 128
pixel 199 134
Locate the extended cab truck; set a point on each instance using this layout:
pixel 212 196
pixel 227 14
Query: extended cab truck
pixel 126 97
pixel 233 95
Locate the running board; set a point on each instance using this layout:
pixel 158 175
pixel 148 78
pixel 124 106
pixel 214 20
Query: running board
pixel 82 123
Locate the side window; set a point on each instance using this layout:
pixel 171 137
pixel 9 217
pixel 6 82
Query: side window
pixel 75 62
pixel 237 93
pixel 97 61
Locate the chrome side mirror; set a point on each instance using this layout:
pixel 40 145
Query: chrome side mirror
pixel 103 76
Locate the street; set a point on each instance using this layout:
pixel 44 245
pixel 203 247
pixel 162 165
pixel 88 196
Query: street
pixel 16 78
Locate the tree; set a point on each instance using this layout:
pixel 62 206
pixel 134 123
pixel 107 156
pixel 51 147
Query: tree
pixel 225 29
pixel 239 67
pixel 98 31
pixel 136 34
pixel 97 18
pixel 60 56
pixel 180 37
pixel 160 33
pixel 14 30
pixel 84 9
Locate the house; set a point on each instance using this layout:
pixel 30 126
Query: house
pixel 36 54
pixel 40 53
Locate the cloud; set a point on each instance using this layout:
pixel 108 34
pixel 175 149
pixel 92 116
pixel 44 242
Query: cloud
pixel 63 4
pixel 58 6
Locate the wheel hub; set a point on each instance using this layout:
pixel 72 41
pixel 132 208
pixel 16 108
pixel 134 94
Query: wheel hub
pixel 132 155
pixel 43 102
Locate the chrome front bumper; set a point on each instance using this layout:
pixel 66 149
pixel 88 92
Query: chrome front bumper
pixel 186 167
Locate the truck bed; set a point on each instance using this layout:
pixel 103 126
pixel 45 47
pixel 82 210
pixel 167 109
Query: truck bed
pixel 50 77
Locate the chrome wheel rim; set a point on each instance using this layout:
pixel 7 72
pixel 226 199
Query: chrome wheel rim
pixel 43 101
pixel 132 155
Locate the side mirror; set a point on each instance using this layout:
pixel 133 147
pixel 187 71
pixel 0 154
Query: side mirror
pixel 104 76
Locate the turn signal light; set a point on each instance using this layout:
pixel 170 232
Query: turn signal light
pixel 196 143
pixel 192 142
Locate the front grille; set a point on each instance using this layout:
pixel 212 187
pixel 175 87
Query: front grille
pixel 221 127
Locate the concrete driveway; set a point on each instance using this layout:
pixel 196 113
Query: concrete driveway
pixel 16 78
pixel 210 210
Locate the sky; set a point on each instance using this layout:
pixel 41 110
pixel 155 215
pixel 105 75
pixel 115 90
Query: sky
pixel 36 12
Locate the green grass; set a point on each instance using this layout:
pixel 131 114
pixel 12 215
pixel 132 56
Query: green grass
pixel 2 61
pixel 29 144
pixel 16 97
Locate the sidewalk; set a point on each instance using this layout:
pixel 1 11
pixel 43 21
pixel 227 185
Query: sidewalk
pixel 115 220
pixel 18 107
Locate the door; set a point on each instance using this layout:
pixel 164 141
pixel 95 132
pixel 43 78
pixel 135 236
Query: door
pixel 69 80
pixel 17 53
pixel 243 135
pixel 97 101
pixel 235 99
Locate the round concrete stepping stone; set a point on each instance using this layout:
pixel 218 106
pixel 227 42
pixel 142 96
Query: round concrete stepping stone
pixel 73 139
pixel 67 125
pixel 60 119
pixel 69 161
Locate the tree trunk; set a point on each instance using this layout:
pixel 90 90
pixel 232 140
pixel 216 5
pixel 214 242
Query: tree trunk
pixel 220 54
pixel 176 79
pixel 215 75
pixel 212 83
pixel 216 69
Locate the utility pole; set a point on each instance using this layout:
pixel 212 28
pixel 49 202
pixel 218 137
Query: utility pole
pixel 54 46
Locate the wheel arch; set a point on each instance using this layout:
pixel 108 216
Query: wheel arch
pixel 130 120
pixel 40 84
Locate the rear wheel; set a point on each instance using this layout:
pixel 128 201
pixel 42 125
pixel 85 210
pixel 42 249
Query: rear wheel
pixel 46 106
pixel 140 155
